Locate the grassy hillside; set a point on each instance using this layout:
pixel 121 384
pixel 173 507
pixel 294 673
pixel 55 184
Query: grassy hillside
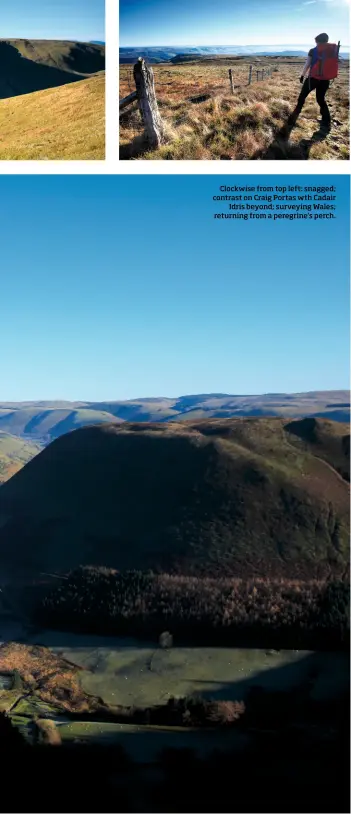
pixel 52 100
pixel 59 123
pixel 47 420
pixel 239 496
pixel 45 424
pixel 14 453
pixel 204 120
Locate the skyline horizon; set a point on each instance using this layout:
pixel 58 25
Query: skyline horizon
pixel 222 394
pixel 205 44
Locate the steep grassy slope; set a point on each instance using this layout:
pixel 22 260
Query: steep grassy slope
pixel 31 65
pixel 14 453
pixel 59 123
pixel 204 120
pixel 237 496
pixel 36 419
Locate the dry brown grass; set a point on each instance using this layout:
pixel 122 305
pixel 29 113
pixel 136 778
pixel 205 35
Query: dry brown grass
pixel 66 123
pixel 47 675
pixel 249 124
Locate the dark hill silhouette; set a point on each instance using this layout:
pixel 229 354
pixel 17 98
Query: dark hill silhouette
pixel 27 66
pixel 232 496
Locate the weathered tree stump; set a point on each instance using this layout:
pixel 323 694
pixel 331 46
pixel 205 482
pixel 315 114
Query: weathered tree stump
pixel 145 87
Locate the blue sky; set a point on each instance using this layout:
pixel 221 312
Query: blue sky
pixel 231 22
pixel 82 20
pixel 116 287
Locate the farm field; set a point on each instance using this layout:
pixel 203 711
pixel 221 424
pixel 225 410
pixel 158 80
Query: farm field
pixel 204 120
pixel 138 674
pixel 129 673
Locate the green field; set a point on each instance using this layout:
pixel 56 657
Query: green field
pixel 133 674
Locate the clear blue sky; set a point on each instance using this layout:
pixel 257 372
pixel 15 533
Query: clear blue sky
pixel 115 287
pixel 82 20
pixel 232 22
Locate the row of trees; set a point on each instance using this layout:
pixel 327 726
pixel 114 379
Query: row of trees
pixel 275 613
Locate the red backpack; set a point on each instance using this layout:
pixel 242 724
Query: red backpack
pixel 325 61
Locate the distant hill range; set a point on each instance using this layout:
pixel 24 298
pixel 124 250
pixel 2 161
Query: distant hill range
pixel 31 65
pixel 155 54
pixel 43 421
pixel 247 496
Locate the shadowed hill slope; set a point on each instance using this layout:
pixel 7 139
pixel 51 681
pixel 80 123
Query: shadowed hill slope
pixel 237 496
pixel 32 65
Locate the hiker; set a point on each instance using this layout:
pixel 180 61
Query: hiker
pixel 320 67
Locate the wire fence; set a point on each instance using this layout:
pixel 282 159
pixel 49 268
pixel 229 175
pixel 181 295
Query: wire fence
pixel 194 89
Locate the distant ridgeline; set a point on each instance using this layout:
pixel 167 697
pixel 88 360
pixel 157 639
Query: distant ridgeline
pixel 43 421
pixel 156 54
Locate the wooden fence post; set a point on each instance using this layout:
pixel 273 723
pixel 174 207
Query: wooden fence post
pixel 250 74
pixel 231 79
pixel 257 72
pixel 145 86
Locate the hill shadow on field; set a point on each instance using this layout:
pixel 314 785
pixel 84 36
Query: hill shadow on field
pixel 19 75
pixel 281 149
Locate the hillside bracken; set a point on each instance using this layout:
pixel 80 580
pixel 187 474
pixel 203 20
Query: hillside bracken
pixel 278 613
pixel 203 120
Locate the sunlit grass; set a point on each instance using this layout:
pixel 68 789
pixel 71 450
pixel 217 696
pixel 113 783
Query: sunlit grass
pixel 67 122
pixel 249 124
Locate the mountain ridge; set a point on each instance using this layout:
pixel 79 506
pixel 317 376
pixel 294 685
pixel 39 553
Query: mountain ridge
pixel 29 65
pixel 243 496
pixel 40 420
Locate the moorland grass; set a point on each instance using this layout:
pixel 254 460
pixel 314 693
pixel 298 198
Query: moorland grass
pixel 249 124
pixel 66 123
